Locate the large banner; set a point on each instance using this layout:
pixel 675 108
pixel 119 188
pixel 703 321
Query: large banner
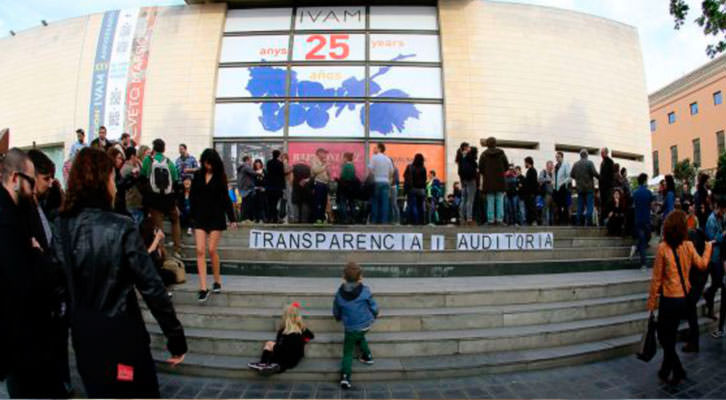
pixel 335 241
pixel 505 241
pixel 119 69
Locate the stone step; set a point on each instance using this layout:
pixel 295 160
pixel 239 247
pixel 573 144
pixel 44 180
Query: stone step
pixel 419 367
pixel 430 343
pixel 416 319
pixel 394 293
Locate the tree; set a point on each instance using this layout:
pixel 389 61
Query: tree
pixel 719 186
pixel 684 171
pixel 712 20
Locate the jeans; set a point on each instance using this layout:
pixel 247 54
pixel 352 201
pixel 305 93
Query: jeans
pixel 584 199
pixel 321 201
pixel 380 203
pixel 531 206
pixel 415 206
pixel 468 193
pixel 716 271
pixel 273 198
pixel 642 231
pixel 548 210
pixel 351 341
pixel 511 210
pixel 671 311
pixel 495 207
pixel 562 205
pixel 346 208
pixel 395 211
pixel 698 282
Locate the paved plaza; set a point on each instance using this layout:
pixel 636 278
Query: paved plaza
pixel 624 377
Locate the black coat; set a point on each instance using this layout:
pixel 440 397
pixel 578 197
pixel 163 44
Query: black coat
pixel 531 185
pixel 290 349
pixel 607 175
pixel 210 202
pixel 275 175
pixel 106 264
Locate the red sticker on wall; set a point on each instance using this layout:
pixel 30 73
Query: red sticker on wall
pixel 125 373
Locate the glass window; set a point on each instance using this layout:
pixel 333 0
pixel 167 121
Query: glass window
pixel 254 48
pixel 325 81
pixel 652 125
pixel 671 117
pixel 304 153
pixel 694 108
pixel 674 157
pixel 261 81
pixel 697 152
pixel 329 47
pixel 656 169
pixel 258 19
pixel 233 152
pixel 327 119
pixel 406 120
pixel 398 47
pixel 402 155
pixel 249 119
pixel 720 143
pixel 403 82
pixel 412 18
pixel 717 98
pixel 330 18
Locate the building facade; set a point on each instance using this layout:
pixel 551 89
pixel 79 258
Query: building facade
pixel 422 78
pixel 688 119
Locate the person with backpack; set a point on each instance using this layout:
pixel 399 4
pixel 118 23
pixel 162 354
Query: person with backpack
pixel 160 198
pixel 414 183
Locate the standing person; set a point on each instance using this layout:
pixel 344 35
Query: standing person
pixel 348 187
pixel 669 196
pixel 433 194
pixel 302 193
pixel 123 183
pixel 697 279
pixel 546 181
pixel 210 203
pixel 686 195
pixel 184 203
pixel 701 200
pixel 355 307
pixel 259 199
pixel 605 181
pixel 492 167
pixel 676 255
pixel 320 174
pixel 381 168
pixel 131 171
pixel 246 186
pixel 562 185
pixel 186 164
pixel 583 172
pixel 395 183
pixel 643 200
pixel 30 311
pixel 467 176
pixel 511 210
pixel 124 143
pixel 715 233
pixel 286 207
pixel 274 185
pixel 77 146
pixel 101 142
pixel 159 197
pixel 531 188
pixel 143 152
pixel 105 264
pixel 415 182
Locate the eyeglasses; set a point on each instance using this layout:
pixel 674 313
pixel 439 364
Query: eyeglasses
pixel 30 180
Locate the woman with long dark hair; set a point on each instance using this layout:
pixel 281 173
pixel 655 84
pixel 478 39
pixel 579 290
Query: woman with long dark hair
pixel 210 209
pixel 672 265
pixel 104 260
pixel 669 197
pixel 414 182
pixel 260 197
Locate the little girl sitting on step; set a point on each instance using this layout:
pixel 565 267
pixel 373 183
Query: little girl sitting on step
pixel 289 347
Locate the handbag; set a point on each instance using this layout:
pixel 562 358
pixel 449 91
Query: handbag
pixel 175 266
pixel 648 343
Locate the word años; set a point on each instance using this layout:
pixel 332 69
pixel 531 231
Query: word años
pixel 504 241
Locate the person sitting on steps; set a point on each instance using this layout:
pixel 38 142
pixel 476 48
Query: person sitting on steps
pixel 289 347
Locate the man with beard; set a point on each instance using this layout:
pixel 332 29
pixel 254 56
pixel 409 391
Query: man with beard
pixel 27 290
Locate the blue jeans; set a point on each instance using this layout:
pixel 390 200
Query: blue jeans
pixel 395 211
pixel 415 206
pixel 321 201
pixel 511 210
pixel 380 203
pixel 642 230
pixel 495 207
pixel 582 198
pixel 468 193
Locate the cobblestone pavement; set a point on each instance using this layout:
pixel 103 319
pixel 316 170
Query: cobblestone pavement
pixel 624 377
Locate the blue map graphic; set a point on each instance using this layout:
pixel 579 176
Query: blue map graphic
pixel 384 117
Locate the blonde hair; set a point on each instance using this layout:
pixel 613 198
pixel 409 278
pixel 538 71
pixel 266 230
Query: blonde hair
pixel 292 320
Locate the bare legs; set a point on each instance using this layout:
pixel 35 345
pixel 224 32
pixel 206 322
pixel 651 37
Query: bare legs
pixel 201 237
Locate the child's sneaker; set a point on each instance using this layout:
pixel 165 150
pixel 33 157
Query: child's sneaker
pixel 368 360
pixel 270 369
pixel 345 382
pixel 257 366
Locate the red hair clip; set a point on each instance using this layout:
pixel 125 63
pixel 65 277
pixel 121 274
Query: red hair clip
pixel 296 304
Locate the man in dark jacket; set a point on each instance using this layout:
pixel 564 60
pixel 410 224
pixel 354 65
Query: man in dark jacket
pixel 28 291
pixel 531 188
pixel 101 142
pixel 583 172
pixel 492 166
pixel 275 184
pixel 607 175
pixel 246 186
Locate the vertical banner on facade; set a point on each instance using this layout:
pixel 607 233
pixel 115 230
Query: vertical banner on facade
pixel 118 72
pixel 137 72
pixel 100 72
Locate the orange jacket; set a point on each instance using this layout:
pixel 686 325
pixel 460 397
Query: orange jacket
pixel 665 274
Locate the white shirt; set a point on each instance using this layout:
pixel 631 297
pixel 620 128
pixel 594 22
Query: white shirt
pixel 382 168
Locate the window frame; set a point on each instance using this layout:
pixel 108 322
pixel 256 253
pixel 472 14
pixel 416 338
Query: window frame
pixel 693 107
pixel 717 95
pixel 653 125
pixel 720 143
pixel 674 157
pixel 672 120
pixel 696 143
pixel 656 162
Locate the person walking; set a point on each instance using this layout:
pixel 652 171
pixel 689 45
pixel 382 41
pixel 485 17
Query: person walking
pixel 583 172
pixel 105 264
pixel 246 187
pixel 381 168
pixel 493 165
pixel 186 164
pixel 274 186
pixel 320 174
pixel 669 197
pixel 466 161
pixel 531 188
pixel 415 184
pixel 715 232
pixel 210 203
pixel 668 289
pixel 701 200
pixel 131 170
pixel 546 183
pixel 605 181
pixel 642 202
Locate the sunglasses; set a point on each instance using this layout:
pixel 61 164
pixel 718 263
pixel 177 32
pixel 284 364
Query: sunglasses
pixel 30 179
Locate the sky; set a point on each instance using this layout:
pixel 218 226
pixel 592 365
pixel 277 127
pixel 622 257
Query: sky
pixel 667 54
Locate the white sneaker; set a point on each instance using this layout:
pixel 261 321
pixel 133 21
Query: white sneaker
pixel 633 249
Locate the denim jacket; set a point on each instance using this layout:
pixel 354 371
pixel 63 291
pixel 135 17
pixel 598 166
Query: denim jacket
pixel 354 305
pixel 714 231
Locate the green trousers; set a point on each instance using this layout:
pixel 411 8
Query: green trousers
pixel 353 339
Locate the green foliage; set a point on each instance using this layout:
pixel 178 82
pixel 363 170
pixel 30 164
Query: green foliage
pixel 712 20
pixel 684 171
pixel 719 186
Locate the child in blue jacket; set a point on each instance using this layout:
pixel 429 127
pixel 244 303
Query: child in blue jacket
pixel 354 305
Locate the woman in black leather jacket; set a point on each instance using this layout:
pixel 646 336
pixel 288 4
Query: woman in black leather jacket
pixel 104 260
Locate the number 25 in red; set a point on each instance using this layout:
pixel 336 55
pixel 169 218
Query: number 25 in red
pixel 337 42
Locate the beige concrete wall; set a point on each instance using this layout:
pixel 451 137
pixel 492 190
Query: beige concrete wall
pixel 530 73
pixel 46 78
